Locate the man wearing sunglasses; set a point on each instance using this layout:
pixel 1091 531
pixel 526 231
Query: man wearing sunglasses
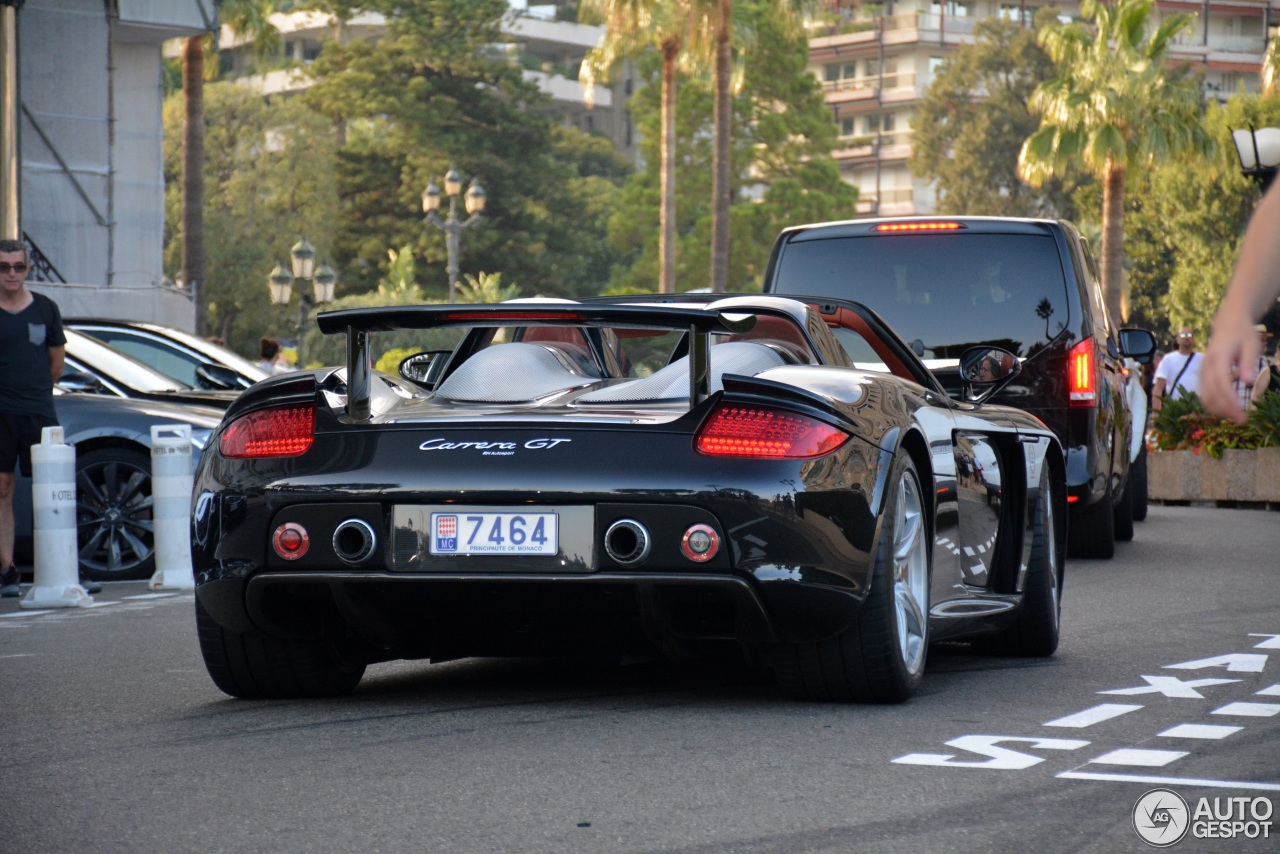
pixel 1178 373
pixel 32 347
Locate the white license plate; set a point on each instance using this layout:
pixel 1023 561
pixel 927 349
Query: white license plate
pixel 490 533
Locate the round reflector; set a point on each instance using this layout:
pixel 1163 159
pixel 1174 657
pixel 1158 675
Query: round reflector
pixel 291 541
pixel 700 543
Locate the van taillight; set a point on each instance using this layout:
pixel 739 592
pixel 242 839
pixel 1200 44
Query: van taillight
pixel 1082 374
pixel 762 431
pixel 282 431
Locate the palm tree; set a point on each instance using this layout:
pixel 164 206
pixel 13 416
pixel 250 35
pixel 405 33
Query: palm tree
pixel 722 26
pixel 1115 105
pixel 679 33
pixel 249 17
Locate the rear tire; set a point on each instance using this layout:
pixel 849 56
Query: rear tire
pixel 256 666
pixel 1124 512
pixel 880 657
pixel 1138 474
pixel 1093 531
pixel 1036 631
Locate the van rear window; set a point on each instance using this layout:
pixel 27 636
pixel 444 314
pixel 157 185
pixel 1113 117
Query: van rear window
pixel 942 293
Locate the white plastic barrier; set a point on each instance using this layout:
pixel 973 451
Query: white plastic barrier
pixel 171 482
pixel 53 504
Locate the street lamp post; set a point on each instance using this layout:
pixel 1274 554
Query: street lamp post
pixel 474 200
pixel 323 279
pixel 1259 153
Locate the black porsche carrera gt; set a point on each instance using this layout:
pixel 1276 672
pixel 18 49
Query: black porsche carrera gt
pixel 755 471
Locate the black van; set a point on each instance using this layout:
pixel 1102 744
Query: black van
pixel 1030 286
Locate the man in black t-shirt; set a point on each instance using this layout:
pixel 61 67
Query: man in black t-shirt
pixel 32 349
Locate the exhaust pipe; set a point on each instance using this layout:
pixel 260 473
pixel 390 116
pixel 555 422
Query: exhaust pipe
pixel 354 541
pixel 627 542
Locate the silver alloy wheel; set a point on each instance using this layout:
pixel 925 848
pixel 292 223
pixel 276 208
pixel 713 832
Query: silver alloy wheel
pixel 1051 551
pixel 910 574
pixel 114 515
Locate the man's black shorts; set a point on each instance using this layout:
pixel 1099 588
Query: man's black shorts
pixel 17 434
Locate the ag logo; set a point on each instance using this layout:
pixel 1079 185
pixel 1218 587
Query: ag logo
pixel 1161 817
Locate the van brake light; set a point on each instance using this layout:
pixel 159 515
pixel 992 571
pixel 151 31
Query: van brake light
pixel 1082 374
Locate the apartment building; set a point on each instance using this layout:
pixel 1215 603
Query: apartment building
pixel 875 63
pixel 549 50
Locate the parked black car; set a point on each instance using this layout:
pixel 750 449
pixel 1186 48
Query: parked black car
pixel 188 358
pixel 112 437
pixel 96 368
pixel 946 284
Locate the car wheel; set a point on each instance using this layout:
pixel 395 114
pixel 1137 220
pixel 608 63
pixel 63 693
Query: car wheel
pixel 1123 512
pixel 1138 474
pixel 880 657
pixel 256 666
pixel 1035 632
pixel 114 528
pixel 1093 531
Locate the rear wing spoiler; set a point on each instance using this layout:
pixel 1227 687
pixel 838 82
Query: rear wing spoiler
pixel 358 323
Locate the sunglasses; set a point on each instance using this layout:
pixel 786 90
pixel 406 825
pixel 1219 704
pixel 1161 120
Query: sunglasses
pixel 1185 335
pixel 17 268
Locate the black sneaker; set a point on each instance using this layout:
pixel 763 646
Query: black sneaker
pixel 90 586
pixel 9 588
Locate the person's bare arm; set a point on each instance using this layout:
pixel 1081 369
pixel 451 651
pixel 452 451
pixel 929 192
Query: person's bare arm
pixel 57 361
pixel 1157 395
pixel 1252 291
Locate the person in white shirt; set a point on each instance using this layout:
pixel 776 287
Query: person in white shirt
pixel 1178 373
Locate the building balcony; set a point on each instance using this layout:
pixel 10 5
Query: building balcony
pixel 906 29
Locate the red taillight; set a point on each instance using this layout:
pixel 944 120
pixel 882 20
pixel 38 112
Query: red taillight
pixel 1082 374
pixel 918 226
pixel 284 431
pixel 759 431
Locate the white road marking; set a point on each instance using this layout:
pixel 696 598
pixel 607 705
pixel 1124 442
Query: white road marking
pixel 1097 714
pixel 151 596
pixel 1236 662
pixel 1273 643
pixel 1248 710
pixel 1172 781
pixel 25 614
pixel 1171 686
pixel 1214 731
pixel 1136 756
pixel 1273 691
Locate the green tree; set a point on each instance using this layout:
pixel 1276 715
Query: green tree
pixel 269 174
pixel 1185 222
pixel 430 93
pixel 782 173
pixel 680 34
pixel 971 122
pixel 248 17
pixel 1115 105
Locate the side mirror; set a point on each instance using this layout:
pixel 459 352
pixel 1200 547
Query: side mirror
pixel 78 381
pixel 1138 344
pixel 425 369
pixel 213 376
pixel 983 370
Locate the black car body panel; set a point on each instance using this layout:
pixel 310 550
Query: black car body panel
pixel 1027 285
pixel 798 535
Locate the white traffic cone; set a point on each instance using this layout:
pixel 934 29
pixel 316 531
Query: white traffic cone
pixel 171 482
pixel 53 504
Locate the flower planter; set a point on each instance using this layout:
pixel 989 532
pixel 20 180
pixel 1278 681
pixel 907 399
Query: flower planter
pixel 1236 476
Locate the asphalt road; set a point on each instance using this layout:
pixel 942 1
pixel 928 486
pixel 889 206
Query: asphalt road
pixel 116 740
